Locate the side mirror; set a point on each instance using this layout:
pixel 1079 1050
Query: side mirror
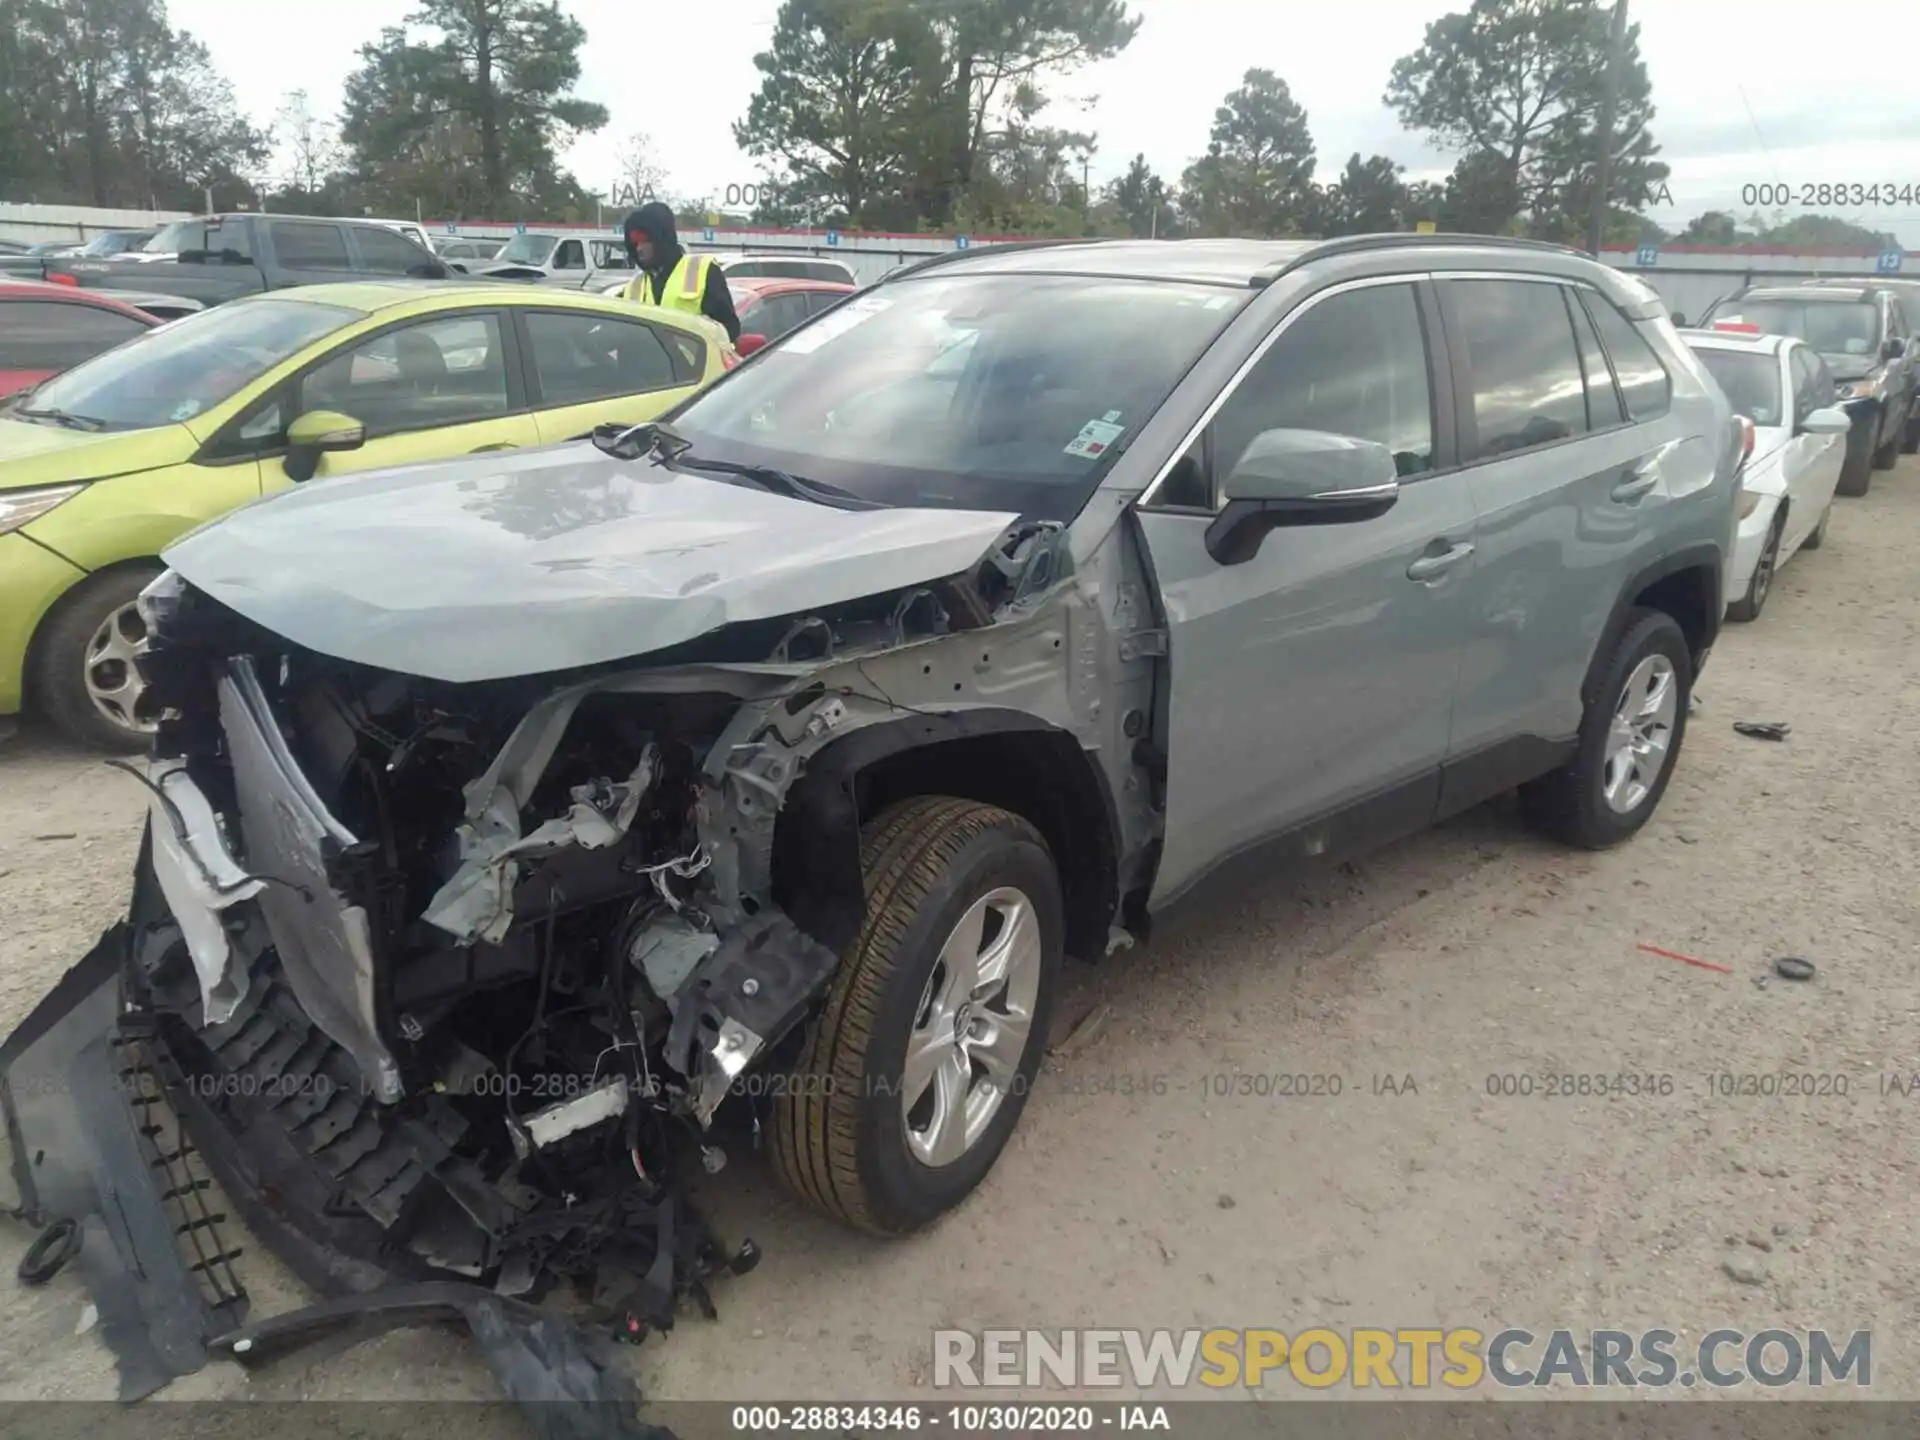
pixel 1830 421
pixel 1300 477
pixel 317 433
pixel 747 344
pixel 1893 349
pixel 1679 319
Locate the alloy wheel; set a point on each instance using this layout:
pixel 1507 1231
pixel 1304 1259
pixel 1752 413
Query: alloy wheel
pixel 113 680
pixel 971 1028
pixel 1641 736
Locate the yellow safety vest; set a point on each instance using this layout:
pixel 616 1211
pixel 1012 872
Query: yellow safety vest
pixel 686 283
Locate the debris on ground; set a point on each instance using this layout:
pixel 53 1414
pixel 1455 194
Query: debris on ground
pixel 1763 729
pixel 1793 967
pixel 1683 959
pixel 1745 1269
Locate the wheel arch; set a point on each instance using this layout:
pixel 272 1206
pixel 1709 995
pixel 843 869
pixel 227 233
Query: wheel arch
pixel 1685 584
pixel 30 657
pixel 997 757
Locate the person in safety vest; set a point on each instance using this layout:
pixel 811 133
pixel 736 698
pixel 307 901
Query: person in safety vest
pixel 671 278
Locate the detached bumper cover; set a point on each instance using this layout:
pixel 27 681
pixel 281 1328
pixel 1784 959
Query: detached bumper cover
pixel 93 1142
pixel 89 1094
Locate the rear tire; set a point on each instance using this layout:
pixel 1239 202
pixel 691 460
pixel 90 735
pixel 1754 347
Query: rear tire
pixel 1608 790
pixel 1856 472
pixel 1760 584
pixel 80 651
pixel 1888 455
pixel 846 1136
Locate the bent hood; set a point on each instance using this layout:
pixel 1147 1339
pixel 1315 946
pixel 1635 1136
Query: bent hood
pixel 486 568
pixel 33 454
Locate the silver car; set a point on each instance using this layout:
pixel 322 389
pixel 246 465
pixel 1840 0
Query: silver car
pixel 526 824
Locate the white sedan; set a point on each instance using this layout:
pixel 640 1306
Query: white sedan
pixel 1798 445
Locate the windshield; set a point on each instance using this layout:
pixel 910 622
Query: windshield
pixel 974 392
pixel 177 371
pixel 525 250
pixel 1833 327
pixel 1752 382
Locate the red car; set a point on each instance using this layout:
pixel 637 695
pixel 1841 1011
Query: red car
pixel 45 329
pixel 770 306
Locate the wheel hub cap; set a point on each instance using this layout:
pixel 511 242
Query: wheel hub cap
pixel 113 680
pixel 1640 737
pixel 971 1029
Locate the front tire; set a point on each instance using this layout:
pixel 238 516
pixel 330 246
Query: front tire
pixel 1629 740
pixel 1760 584
pixel 916 1070
pixel 81 672
pixel 1818 535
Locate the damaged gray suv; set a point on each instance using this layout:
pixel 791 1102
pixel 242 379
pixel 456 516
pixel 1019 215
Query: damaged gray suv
pixel 525 824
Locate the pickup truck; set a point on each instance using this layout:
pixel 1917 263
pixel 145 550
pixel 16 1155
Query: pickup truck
pixel 574 262
pixel 222 257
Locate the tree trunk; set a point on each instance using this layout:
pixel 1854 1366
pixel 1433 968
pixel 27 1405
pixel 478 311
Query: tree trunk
pixel 492 162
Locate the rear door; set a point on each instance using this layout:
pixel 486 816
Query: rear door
pixel 585 368
pixel 379 251
pixel 1311 685
pixel 1565 428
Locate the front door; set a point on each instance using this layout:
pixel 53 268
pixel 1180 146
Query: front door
pixel 1812 461
pixel 1313 683
pixel 431 389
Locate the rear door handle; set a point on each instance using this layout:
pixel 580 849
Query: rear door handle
pixel 1636 482
pixel 1432 567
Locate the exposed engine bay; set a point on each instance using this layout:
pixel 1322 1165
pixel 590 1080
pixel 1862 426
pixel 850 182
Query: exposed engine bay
pixel 492 956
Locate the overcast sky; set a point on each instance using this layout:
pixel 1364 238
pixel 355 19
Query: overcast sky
pixel 1743 97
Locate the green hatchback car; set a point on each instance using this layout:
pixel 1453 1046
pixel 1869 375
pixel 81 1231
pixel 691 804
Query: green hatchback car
pixel 104 466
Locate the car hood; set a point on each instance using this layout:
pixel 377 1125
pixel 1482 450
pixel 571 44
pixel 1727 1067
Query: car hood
pixel 482 569
pixel 34 454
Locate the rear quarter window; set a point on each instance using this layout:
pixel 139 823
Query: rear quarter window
pixel 1645 386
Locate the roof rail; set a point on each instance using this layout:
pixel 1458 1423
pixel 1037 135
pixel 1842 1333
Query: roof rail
pixel 1348 244
pixel 947 257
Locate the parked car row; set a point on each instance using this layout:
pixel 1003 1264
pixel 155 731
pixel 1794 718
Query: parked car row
pixel 1824 374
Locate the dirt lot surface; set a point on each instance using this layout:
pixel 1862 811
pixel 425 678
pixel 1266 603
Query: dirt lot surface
pixel 1135 1194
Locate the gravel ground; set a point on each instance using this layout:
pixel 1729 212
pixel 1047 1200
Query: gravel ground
pixel 1134 1194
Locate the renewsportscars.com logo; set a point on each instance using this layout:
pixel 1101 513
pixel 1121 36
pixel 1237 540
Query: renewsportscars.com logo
pixel 1414 1359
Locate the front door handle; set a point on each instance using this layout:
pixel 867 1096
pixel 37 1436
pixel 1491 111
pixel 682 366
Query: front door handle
pixel 489 449
pixel 1432 567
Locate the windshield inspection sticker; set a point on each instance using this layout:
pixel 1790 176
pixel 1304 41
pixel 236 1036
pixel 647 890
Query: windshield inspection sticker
pixel 1095 437
pixel 834 324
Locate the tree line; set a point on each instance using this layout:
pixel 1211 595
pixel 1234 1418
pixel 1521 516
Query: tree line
pixel 915 115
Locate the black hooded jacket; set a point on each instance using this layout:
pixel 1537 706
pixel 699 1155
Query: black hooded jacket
pixel 655 221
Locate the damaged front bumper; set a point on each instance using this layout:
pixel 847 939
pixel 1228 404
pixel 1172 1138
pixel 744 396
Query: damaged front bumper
pixel 108 1135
